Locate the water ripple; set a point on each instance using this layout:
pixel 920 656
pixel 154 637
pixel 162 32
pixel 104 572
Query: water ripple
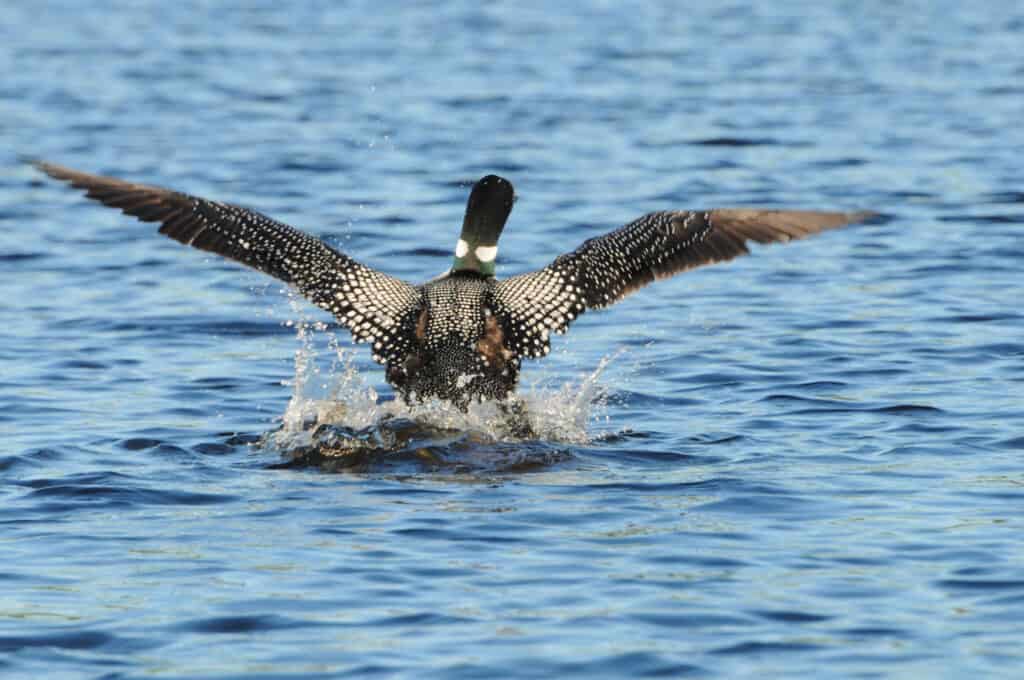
pixel 800 463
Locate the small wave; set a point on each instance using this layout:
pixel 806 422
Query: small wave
pixel 735 141
pixel 77 640
pixel 242 624
pixel 99 495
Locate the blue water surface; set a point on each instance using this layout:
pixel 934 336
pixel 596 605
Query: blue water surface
pixel 802 463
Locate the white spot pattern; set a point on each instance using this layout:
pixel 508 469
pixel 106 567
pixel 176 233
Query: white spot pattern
pixel 597 274
pixel 371 304
pixel 486 253
pixel 457 308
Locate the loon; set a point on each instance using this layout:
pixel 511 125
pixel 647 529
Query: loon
pixel 460 337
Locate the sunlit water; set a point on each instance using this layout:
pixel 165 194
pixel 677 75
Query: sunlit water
pixel 802 463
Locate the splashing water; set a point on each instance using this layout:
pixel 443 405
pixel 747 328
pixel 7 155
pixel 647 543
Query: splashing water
pixel 334 415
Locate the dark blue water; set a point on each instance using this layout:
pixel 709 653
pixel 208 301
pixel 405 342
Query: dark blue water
pixel 806 462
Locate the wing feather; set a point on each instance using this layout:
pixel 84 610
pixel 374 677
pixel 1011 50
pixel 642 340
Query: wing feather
pixel 606 269
pixel 374 306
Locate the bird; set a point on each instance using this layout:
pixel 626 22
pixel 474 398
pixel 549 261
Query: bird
pixel 462 336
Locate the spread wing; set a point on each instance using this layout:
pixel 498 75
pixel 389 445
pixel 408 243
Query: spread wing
pixel 605 269
pixel 372 305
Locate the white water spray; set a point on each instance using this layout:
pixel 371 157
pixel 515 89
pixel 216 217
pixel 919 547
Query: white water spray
pixel 557 410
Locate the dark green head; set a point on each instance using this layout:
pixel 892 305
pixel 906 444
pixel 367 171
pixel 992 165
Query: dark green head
pixel 489 205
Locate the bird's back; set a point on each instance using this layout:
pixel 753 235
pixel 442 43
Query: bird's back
pixel 461 354
pixel 455 309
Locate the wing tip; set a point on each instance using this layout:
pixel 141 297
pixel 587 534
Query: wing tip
pixel 867 217
pixel 37 163
pixel 51 169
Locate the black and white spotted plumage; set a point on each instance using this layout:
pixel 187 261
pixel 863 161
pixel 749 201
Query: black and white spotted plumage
pixel 606 269
pixel 461 353
pixel 462 336
pixel 377 308
pixel 597 274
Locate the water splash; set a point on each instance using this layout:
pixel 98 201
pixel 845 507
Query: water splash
pixel 337 394
pixel 333 414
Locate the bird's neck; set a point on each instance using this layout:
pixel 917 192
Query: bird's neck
pixel 471 254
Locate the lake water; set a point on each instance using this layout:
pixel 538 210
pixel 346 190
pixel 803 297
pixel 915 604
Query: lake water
pixel 802 463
